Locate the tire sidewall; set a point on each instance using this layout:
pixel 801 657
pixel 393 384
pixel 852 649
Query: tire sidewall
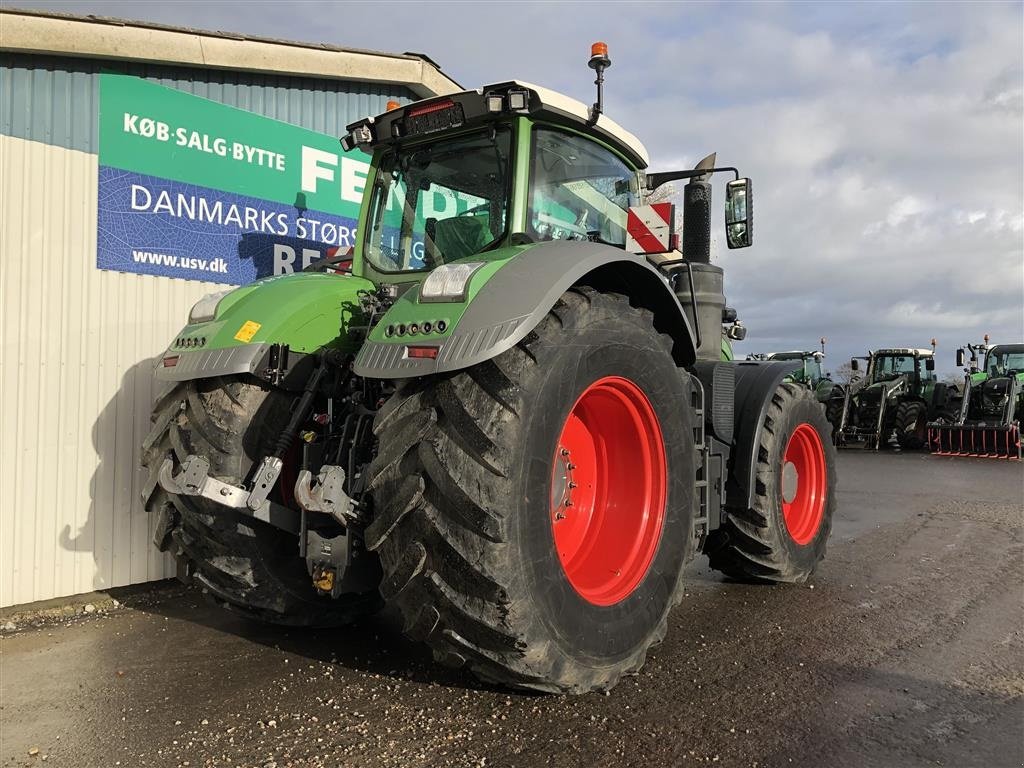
pixel 609 346
pixel 802 410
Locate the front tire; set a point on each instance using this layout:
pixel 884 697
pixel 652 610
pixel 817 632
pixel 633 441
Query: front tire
pixel 911 425
pixel 834 415
pixel 782 536
pixel 482 555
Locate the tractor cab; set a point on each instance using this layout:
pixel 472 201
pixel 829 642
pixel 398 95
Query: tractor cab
pixel 516 179
pixel 1005 360
pixel 470 174
pixel 916 366
pixel 999 383
pixel 809 373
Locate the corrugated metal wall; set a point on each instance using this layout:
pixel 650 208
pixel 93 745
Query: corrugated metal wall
pixel 57 100
pixel 77 342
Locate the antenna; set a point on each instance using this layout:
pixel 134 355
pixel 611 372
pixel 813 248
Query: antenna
pixel 599 62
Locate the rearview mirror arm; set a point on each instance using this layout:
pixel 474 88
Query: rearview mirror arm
pixel 655 180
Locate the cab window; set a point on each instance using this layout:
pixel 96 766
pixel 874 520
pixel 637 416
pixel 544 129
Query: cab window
pixel 578 189
pixel 439 202
pixel 889 367
pixel 813 369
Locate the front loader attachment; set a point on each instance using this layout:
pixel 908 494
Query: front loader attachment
pixel 1000 441
pixel 995 437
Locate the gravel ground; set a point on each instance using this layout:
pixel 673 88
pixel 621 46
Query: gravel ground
pixel 907 649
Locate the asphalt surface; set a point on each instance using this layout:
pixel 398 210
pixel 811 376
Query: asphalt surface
pixel 907 649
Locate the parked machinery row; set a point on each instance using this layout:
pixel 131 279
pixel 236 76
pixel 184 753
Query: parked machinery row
pixel 899 401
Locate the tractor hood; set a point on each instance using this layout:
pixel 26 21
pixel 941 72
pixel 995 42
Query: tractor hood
pixel 306 311
pixel 875 390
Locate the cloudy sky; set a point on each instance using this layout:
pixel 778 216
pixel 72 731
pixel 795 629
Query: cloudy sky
pixel 884 139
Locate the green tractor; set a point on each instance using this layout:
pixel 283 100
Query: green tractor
pixel 807 371
pixel 897 398
pixel 490 414
pixel 988 423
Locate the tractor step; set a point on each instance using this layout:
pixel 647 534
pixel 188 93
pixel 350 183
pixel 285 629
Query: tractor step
pixel 978 440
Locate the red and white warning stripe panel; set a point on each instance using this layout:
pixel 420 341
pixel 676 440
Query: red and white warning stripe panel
pixel 650 228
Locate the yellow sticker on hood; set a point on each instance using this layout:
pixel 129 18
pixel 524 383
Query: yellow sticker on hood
pixel 247 331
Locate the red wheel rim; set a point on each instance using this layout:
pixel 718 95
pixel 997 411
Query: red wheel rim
pixel 608 490
pixel 804 483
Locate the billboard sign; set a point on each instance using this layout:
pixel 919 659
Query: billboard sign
pixel 194 189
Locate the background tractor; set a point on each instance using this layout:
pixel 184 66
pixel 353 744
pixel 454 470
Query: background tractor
pixel 505 412
pixel 807 371
pixel 897 397
pixel 988 422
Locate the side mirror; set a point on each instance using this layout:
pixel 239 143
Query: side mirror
pixel 960 358
pixel 855 364
pixel 739 213
pixel 929 364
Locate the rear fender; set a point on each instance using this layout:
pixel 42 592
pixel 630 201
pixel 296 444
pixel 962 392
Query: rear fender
pixel 756 382
pixel 516 298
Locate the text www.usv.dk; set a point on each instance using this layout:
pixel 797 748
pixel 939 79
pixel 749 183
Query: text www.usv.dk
pixel 218 265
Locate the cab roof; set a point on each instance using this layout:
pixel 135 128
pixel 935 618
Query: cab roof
pixel 793 354
pixel 906 351
pixel 570 107
pixel 465 109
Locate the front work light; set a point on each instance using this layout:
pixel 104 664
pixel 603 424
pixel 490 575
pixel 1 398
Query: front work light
pixel 495 103
pixel 517 100
pixel 362 135
pixel 205 309
pixel 448 282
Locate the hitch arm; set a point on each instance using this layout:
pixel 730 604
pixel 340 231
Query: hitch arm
pixel 194 480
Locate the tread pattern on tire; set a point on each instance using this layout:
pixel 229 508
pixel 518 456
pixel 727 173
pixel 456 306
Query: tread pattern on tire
pixel 908 414
pixel 834 415
pixel 749 544
pixel 444 464
pixel 240 562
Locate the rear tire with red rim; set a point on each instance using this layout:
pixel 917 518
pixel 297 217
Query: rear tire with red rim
pixel 533 513
pixel 782 536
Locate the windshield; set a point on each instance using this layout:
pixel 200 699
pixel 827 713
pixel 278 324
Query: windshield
pixel 1001 361
pixel 578 189
pixel 812 368
pixel 438 202
pixel 891 366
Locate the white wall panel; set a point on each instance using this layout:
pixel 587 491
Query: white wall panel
pixel 75 384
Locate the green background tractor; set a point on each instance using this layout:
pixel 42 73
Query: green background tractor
pixel 491 414
pixel 897 397
pixel 988 422
pixel 809 373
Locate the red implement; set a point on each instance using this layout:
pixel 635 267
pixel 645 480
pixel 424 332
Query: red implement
pixel 989 442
